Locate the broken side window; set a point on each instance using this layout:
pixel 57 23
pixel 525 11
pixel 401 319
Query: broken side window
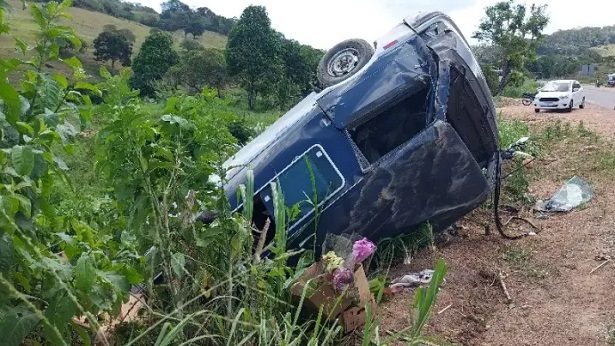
pixel 311 178
pixel 466 115
pixel 392 127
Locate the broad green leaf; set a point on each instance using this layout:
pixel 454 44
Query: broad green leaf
pixel 15 324
pixel 118 281
pixel 73 62
pixel 38 16
pixel 61 164
pixel 61 79
pixel 25 205
pixel 85 273
pixel 132 275
pixel 105 73
pixel 40 166
pixel 174 119
pixel 21 45
pixel 24 128
pixel 88 86
pixel 74 40
pixel 60 309
pixel 11 100
pixel 6 253
pixel 178 262
pixel 83 333
pixel 23 159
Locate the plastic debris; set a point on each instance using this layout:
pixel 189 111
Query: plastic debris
pixel 572 194
pixel 411 280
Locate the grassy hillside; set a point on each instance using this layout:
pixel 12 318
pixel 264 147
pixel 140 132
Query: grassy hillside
pixel 607 50
pixel 88 24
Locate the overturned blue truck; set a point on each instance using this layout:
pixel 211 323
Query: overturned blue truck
pixel 399 135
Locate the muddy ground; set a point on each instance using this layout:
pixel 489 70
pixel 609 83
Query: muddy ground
pixel 555 298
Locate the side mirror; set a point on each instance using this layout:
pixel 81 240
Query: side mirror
pixel 574 90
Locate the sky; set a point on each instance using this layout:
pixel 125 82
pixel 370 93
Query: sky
pixel 323 23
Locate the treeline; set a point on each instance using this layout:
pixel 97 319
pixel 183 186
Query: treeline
pixel 175 15
pixel 577 41
pixel 560 54
pixel 274 71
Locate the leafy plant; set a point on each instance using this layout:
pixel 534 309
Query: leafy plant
pixel 54 267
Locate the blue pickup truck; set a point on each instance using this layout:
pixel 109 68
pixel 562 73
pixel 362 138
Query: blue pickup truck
pixel 399 135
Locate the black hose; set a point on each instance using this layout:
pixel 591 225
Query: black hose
pixel 496 202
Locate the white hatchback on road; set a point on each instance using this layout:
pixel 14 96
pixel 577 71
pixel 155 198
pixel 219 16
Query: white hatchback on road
pixel 560 94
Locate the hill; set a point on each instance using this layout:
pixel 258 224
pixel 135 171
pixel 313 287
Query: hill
pixel 606 50
pixel 88 24
pixel 577 41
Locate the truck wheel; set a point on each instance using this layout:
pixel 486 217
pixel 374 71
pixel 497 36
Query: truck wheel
pixel 342 61
pixel 537 110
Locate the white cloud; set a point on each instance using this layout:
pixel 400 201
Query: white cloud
pixel 323 23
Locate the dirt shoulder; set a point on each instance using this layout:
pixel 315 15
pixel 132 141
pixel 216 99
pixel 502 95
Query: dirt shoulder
pixel 555 298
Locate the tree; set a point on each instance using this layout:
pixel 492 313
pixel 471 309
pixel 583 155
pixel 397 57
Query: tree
pixel 112 45
pixel 189 44
pixel 199 68
pixel 195 27
pixel 154 59
pixel 252 53
pixel 175 15
pixel 516 33
pixel 299 67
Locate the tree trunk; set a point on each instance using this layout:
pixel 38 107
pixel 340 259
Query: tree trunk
pixel 219 92
pixel 113 64
pixel 250 100
pixel 505 78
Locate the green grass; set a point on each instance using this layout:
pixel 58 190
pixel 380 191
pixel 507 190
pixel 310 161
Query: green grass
pixel 521 259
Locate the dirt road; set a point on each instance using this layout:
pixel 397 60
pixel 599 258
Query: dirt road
pixel 556 298
pixel 603 97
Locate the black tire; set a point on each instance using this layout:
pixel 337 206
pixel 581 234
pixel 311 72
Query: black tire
pixel 526 101
pixel 334 65
pixel 537 110
pixel 569 109
pixel 582 105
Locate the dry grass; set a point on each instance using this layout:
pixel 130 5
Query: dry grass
pixel 607 50
pixel 88 25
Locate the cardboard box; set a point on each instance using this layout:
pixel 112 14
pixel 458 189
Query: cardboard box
pixel 348 307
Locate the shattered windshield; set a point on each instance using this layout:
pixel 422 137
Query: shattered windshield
pixel 556 86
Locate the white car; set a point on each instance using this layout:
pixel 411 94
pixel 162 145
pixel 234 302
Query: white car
pixel 560 94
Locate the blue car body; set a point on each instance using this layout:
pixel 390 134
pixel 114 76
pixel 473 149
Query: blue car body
pixel 409 139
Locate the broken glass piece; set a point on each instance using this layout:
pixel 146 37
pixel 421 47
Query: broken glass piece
pixel 572 194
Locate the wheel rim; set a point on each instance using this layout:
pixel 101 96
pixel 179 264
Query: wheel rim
pixel 343 62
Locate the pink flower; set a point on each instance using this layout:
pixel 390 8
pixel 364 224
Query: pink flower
pixel 342 277
pixel 362 249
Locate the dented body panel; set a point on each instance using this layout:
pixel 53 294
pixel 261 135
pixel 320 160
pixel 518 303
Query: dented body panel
pixel 409 139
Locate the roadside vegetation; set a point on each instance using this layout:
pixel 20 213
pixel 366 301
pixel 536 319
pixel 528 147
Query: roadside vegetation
pixel 99 193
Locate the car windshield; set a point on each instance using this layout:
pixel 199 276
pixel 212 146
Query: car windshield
pixel 556 86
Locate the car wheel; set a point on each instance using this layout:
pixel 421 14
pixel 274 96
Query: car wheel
pixel 537 110
pixel 569 109
pixel 582 105
pixel 342 61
